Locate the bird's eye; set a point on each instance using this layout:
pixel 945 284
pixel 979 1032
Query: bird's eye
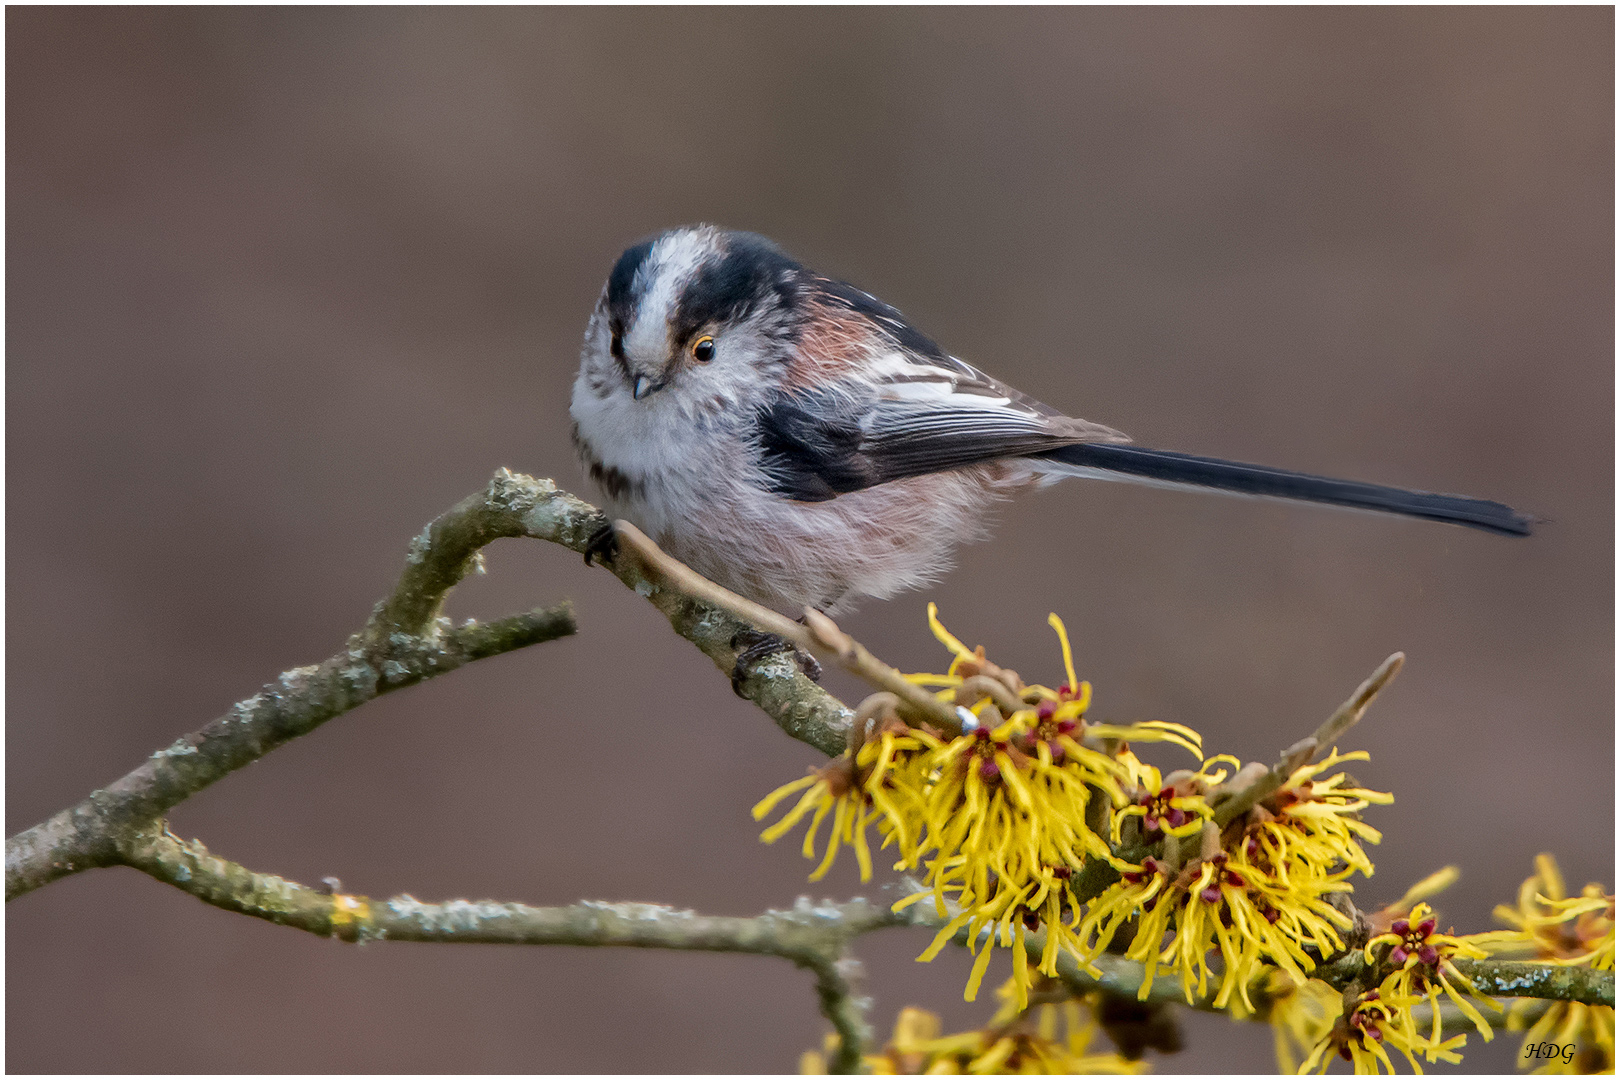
pixel 703 349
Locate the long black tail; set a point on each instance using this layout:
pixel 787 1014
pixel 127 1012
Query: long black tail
pixel 1166 467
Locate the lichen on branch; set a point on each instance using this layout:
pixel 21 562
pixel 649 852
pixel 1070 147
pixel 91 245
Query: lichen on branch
pixel 405 641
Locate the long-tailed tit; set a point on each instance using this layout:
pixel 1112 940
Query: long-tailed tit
pixel 798 441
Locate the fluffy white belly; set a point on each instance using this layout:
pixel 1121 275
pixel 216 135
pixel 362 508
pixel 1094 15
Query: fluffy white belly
pixel 828 555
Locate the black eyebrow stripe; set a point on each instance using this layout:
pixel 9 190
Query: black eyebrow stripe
pixel 621 282
pixel 731 285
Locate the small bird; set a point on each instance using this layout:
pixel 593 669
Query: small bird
pixel 798 441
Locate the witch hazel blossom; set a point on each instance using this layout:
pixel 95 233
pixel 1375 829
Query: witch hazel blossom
pixel 997 820
pixel 1374 1021
pixel 1000 820
pixel 1551 927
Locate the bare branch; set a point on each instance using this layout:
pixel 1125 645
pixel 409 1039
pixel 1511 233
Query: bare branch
pixel 301 700
pixel 189 866
pixel 813 936
pixel 517 505
pixel 1554 982
pixel 405 641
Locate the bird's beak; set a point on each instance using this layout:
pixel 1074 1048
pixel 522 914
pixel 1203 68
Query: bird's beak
pixel 644 386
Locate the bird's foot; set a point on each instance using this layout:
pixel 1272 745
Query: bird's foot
pixel 603 546
pixel 755 645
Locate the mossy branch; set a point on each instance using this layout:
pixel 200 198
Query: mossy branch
pixel 1500 978
pixel 1123 978
pixel 813 936
pixel 299 701
pixel 405 641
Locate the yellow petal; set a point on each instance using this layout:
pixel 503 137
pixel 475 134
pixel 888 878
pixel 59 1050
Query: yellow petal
pixel 811 797
pixel 764 805
pixel 1068 657
pixel 977 975
pixel 945 637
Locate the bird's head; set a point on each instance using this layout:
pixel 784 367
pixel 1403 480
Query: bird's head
pixel 695 318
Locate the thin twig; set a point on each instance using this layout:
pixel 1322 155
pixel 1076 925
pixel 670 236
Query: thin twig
pixel 818 634
pixel 1343 718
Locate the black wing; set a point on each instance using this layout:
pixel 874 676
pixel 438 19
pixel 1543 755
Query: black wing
pixel 821 444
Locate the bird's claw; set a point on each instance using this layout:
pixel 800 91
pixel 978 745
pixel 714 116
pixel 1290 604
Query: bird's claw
pixel 755 645
pixel 603 545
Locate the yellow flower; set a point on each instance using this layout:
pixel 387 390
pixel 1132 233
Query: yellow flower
pixel 1058 708
pixel 1173 806
pixel 1311 825
pixel 1000 817
pixel 1556 929
pixel 1005 832
pixel 832 790
pixel 1213 904
pixel 1009 807
pixel 1006 823
pixel 1259 893
pixel 1374 1022
pixel 1569 1037
pixel 1423 967
pixel 1018 1041
pixel 884 783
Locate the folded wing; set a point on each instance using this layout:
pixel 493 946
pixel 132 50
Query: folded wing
pixel 908 419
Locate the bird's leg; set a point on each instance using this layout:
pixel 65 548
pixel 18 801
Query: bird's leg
pixel 755 645
pixel 603 545
pixel 752 645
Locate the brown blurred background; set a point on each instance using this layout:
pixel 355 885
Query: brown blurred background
pixel 283 285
